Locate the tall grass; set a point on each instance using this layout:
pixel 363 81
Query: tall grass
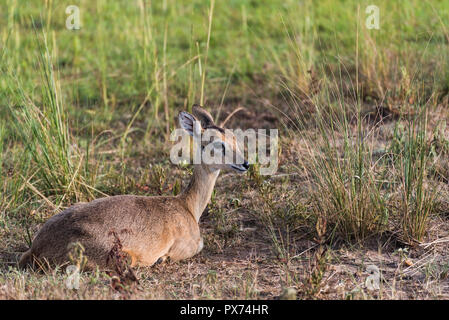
pixel 42 128
pixel 351 183
pixel 206 55
pixel 344 177
pixel 417 197
pixel 2 178
pixel 2 141
pixel 152 69
pixel 347 179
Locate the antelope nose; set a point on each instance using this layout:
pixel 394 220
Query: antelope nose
pixel 245 165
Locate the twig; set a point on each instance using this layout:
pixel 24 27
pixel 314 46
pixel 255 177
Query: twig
pixel 441 240
pixel 230 116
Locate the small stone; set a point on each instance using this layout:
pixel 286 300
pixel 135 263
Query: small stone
pixel 408 262
pixel 288 294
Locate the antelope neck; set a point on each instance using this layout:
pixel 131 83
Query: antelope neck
pixel 198 192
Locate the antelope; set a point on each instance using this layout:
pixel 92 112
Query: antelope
pixel 151 229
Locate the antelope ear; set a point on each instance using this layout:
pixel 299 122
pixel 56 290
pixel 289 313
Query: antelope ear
pixel 202 115
pixel 189 123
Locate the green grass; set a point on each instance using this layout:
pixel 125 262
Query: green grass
pixel 45 135
pixel 418 196
pixel 362 117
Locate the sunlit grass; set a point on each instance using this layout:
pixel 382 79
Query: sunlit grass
pixel 87 113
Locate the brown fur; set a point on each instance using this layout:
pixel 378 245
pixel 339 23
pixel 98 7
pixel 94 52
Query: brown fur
pixel 149 228
pixel 90 224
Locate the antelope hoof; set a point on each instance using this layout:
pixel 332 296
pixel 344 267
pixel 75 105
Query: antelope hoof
pixel 160 260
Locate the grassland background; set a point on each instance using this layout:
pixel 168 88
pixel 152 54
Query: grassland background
pixel 363 163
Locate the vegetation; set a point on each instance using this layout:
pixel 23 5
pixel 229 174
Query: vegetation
pixel 364 142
